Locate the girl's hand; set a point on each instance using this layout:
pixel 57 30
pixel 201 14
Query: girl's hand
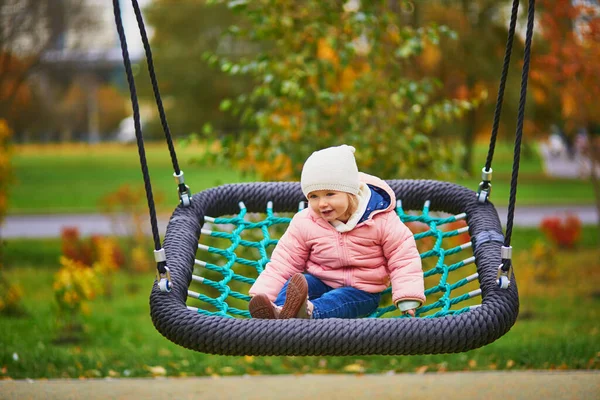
pixel 410 312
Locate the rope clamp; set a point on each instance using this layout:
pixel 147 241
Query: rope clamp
pixel 185 196
pixel 163 279
pixel 505 270
pixel 485 186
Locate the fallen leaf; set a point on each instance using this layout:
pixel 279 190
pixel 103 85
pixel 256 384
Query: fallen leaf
pixel 226 370
pixel 164 353
pixel 422 369
pixel 93 373
pixel 510 364
pixel 156 371
pixel 354 368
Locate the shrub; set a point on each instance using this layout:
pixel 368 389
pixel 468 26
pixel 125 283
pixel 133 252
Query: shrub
pixel 330 73
pixel 562 232
pixel 74 285
pixel 10 294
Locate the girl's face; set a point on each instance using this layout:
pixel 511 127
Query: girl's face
pixel 331 205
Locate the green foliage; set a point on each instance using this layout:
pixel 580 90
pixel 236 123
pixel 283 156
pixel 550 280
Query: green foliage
pixel 329 73
pixel 190 89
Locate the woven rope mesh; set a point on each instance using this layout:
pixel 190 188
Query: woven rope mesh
pixel 235 250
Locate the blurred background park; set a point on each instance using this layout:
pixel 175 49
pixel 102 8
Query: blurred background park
pixel 250 89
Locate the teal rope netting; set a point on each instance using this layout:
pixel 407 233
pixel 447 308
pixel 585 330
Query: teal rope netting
pixel 230 281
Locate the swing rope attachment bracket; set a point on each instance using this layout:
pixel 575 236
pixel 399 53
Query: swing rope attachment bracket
pixel 163 278
pixel 183 190
pixel 505 270
pixel 485 186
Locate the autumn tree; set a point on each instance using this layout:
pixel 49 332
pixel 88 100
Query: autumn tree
pixel 565 71
pixel 470 67
pixel 192 90
pixel 30 28
pixel 329 73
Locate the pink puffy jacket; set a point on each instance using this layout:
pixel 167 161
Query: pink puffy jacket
pixel 376 252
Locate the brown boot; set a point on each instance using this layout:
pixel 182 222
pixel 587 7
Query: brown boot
pixel 261 307
pixel 296 300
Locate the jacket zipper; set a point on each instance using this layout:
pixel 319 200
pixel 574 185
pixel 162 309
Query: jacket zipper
pixel 344 254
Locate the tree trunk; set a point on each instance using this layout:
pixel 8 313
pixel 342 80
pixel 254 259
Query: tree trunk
pixel 595 161
pixel 469 143
pixel 469 134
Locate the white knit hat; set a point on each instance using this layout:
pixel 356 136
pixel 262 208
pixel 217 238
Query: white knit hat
pixel 333 168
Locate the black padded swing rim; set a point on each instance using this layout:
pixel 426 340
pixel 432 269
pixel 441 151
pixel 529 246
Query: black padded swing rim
pixel 339 337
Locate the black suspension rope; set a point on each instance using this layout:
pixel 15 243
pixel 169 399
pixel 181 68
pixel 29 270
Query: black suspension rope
pixel 159 104
pixel 519 130
pixel 502 86
pixel 138 131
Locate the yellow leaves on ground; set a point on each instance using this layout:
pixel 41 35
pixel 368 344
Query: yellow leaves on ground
pixel 422 369
pixel 355 368
pixel 156 370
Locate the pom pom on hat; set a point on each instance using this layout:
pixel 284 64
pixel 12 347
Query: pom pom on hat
pixel 333 168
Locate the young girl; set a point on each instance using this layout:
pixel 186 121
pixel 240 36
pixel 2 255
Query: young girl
pixel 341 252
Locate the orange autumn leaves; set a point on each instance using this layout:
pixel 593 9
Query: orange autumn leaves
pixel 564 71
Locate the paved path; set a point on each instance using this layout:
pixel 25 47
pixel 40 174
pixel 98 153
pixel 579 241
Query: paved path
pixel 527 385
pixel 40 226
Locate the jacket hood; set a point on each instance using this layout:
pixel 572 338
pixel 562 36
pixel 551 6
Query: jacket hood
pixel 369 180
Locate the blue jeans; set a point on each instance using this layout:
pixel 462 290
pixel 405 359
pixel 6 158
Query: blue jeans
pixel 344 302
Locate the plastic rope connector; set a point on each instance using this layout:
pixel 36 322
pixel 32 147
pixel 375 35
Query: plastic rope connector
pixel 485 186
pixel 505 270
pixel 163 278
pixel 183 190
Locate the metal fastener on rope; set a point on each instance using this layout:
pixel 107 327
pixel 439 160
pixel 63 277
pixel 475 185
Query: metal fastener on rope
pixel 505 270
pixel 163 279
pixel 485 186
pixel 185 196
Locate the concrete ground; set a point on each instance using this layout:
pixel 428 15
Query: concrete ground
pixel 546 385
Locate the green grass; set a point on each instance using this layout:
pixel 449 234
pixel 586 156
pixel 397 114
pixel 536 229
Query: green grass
pixel 74 178
pixel 557 327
